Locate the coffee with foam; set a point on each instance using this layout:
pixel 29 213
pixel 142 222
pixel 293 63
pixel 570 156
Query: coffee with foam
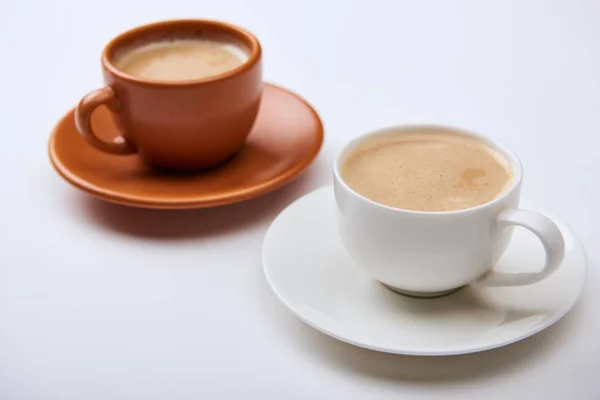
pixel 180 59
pixel 426 171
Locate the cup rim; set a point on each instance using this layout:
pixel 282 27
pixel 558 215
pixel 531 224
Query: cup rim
pixel 247 37
pixel 507 153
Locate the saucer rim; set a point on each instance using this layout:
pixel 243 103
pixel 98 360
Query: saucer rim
pixel 190 202
pixel 435 352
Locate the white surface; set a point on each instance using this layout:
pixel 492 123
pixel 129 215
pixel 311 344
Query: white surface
pixel 102 302
pixel 428 254
pixel 310 271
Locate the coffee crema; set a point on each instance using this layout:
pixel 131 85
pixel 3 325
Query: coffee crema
pixel 180 59
pixel 426 171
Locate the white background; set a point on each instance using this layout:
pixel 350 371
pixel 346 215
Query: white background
pixel 105 302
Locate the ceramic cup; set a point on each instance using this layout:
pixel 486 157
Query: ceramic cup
pixel 183 124
pixel 429 254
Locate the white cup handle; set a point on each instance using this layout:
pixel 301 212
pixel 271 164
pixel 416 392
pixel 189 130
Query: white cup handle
pixel 549 235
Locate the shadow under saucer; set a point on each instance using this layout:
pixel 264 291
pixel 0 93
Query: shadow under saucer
pixel 180 224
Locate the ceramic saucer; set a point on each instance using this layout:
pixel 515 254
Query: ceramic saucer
pixel 308 268
pixel 285 139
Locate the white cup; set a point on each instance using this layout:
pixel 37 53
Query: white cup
pixel 429 254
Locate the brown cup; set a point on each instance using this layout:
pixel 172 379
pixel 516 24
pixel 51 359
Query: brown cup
pixel 185 125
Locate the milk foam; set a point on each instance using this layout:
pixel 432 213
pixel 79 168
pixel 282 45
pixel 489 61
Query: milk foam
pixel 181 59
pixel 427 171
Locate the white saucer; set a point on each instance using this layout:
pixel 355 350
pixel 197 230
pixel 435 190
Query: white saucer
pixel 308 268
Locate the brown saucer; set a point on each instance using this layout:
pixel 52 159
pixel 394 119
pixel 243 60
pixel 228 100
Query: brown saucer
pixel 285 139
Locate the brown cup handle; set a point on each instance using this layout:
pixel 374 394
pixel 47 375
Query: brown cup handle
pixel 83 115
